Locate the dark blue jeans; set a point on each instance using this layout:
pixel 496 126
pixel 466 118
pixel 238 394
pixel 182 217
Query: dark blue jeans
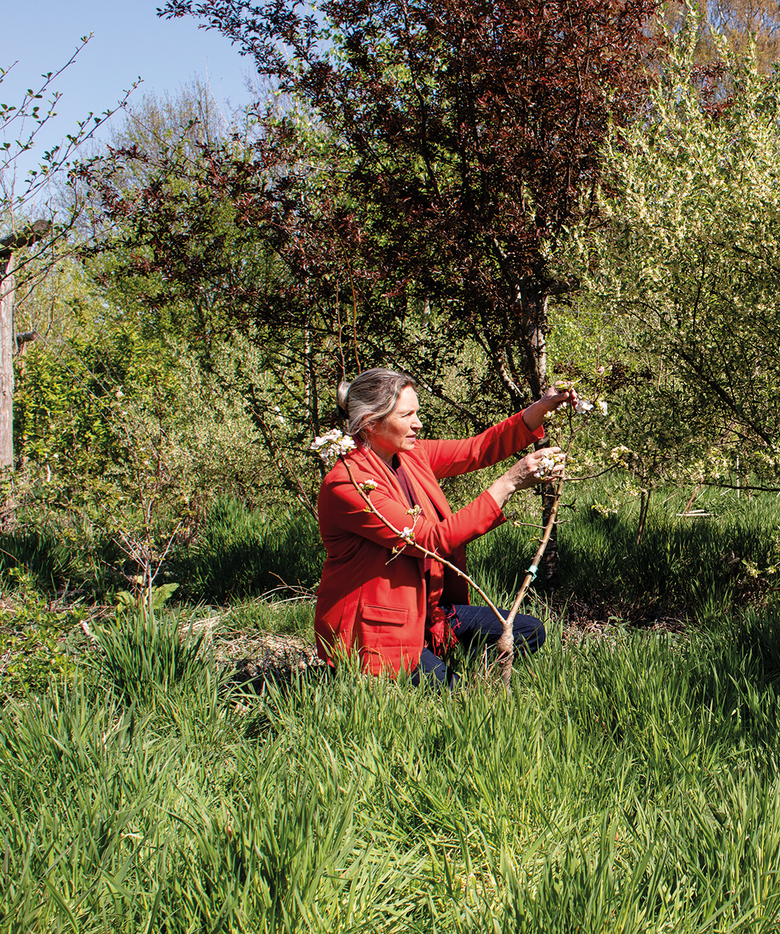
pixel 476 628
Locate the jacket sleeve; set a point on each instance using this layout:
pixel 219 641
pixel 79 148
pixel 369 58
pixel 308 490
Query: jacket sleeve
pixel 342 509
pixel 453 458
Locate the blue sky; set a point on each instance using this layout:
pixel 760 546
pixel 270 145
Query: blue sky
pixel 129 41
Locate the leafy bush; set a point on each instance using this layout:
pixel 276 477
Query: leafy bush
pixel 32 635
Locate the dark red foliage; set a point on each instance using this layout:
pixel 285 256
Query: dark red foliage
pixel 467 138
pixel 470 133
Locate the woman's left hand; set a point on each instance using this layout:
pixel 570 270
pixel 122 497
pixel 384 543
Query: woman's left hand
pixel 559 394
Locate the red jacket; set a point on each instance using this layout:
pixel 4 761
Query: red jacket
pixel 376 605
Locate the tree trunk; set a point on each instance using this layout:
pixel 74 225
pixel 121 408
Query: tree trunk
pixel 534 340
pixel 8 244
pixel 6 361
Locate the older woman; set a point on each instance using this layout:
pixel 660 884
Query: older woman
pixel 398 608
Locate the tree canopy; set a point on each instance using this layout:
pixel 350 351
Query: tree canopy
pixel 463 138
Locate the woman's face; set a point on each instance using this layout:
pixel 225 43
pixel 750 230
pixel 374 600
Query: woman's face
pixel 397 431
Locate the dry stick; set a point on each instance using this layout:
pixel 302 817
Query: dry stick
pixel 505 644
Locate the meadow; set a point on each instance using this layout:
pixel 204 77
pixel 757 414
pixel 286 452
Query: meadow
pixel 626 783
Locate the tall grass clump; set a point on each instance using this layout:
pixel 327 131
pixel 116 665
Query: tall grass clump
pixel 241 553
pixel 142 653
pixel 622 785
pixel 41 552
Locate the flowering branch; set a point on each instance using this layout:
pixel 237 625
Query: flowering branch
pixel 407 535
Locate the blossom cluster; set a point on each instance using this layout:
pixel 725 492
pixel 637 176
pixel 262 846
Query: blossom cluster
pixel 407 538
pixel 547 465
pixel 332 445
pixel 581 406
pixel 584 406
pixel 622 456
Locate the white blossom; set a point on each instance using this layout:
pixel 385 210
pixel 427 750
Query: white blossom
pixel 368 485
pixel 408 535
pixel 548 463
pixel 583 406
pixel 601 405
pixel 621 455
pixel 332 445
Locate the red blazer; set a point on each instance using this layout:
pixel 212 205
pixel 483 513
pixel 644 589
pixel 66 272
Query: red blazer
pixel 377 606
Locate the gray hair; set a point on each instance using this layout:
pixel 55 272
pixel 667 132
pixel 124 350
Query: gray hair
pixel 371 396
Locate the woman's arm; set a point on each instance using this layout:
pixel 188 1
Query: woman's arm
pixel 451 458
pixel 342 509
pixel 523 474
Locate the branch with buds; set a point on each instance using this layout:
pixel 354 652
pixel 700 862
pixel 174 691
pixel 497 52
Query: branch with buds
pixel 407 536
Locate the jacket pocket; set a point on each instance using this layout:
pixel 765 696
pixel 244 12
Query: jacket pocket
pixel 385 615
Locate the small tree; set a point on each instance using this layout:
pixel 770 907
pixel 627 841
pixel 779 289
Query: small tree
pixel 689 259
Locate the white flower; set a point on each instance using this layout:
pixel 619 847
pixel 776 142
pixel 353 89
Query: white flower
pixel 583 406
pixel 548 463
pixel 368 485
pixel 621 455
pixel 408 535
pixel 601 405
pixel 332 445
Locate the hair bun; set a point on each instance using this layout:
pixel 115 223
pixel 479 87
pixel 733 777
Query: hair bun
pixel 341 396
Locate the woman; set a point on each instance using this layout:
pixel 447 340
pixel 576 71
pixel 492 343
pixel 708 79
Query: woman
pixel 396 607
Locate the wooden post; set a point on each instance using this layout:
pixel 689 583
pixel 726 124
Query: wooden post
pixel 8 246
pixel 7 284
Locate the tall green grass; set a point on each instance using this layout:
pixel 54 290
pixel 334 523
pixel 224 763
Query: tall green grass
pixel 623 785
pixel 39 551
pixel 694 567
pixel 141 654
pixel 240 553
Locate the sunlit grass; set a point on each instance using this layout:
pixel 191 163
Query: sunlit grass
pixel 625 784
pixel 694 568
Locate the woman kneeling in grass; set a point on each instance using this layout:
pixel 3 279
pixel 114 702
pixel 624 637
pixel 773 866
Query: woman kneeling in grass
pixel 381 596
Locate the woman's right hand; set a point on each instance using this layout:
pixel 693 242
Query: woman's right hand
pixel 527 472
